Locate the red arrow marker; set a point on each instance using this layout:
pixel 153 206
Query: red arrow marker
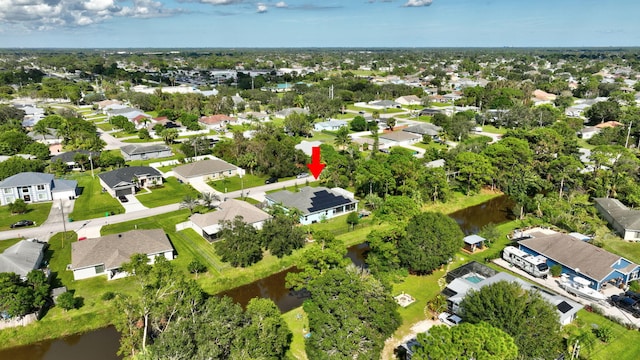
pixel 315 167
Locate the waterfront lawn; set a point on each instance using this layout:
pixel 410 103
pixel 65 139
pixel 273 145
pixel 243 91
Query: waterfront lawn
pixel 628 249
pixel 35 212
pixel 298 323
pixel 460 201
pixel 621 346
pixel 93 313
pixel 171 192
pixel 93 203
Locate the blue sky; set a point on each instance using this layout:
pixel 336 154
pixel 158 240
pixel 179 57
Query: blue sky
pixel 318 23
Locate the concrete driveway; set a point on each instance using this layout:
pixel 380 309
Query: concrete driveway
pixel 133 204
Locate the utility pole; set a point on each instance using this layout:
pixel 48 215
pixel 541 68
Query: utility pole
pixel 626 143
pixel 91 162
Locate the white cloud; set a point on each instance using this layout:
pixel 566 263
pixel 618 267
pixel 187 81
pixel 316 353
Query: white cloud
pixel 261 8
pixel 220 2
pixel 48 14
pixel 281 4
pixel 417 3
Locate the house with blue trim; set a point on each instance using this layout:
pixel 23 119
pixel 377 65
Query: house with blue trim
pixel 580 258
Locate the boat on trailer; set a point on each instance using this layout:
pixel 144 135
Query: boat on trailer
pixel 579 286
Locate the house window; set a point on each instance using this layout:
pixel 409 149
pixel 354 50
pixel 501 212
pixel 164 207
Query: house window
pixel 42 196
pixel 99 269
pixel 40 187
pixel 8 190
pixel 25 189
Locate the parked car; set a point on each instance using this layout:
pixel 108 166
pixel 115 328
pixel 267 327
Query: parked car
pixel 302 175
pixel 22 223
pixel 632 294
pixel 123 198
pixel 271 180
pixel 626 303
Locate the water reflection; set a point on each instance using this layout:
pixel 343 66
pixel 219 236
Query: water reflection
pixel 496 211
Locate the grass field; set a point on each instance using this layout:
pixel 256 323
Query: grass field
pixel 623 345
pixel 35 212
pixel 298 323
pixel 4 244
pixel 235 183
pixel 170 193
pixel 93 203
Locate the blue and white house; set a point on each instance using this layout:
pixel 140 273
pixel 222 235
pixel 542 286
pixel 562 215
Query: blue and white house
pixel 315 204
pixel 33 187
pixel 331 125
pixel 580 258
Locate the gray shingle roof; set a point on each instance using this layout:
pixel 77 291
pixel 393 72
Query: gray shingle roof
pixel 629 219
pixel 400 136
pixel 64 185
pixel 424 129
pixel 310 200
pixel 143 149
pixel 592 261
pixel 116 249
pixel 204 167
pixel 22 257
pixel 26 179
pixel 228 211
pixel 126 174
pixel 69 155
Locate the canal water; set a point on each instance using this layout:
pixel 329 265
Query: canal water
pixel 473 218
pixel 103 344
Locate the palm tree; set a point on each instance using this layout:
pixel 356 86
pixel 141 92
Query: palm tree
pixel 40 128
pixel 342 137
pixel 189 203
pixel 391 123
pixel 209 198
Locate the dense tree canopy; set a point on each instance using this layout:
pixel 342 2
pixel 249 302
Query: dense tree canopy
pixel 523 314
pixel 431 240
pixel 350 315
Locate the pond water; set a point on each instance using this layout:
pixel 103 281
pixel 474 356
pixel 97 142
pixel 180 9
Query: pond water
pixel 103 344
pixel 473 218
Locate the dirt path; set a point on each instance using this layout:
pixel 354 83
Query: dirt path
pixel 393 342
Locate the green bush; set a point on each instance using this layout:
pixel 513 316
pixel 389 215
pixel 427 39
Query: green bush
pixel 18 207
pixel 603 333
pixel 556 270
pixel 634 286
pixel 109 295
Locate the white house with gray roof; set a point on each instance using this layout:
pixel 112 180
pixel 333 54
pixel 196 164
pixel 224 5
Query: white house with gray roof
pixel 125 181
pixel 473 276
pixel 22 257
pixel 204 170
pixel 210 224
pixel 330 125
pixel 33 187
pixel 315 204
pixel 105 255
pixel 625 221
pixel 144 152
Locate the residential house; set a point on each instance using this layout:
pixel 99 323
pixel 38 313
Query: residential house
pixel 473 243
pixel 331 125
pixel 315 204
pixel 409 100
pixel 106 103
pixel 384 104
pixel 424 129
pixel 401 137
pixel 144 152
pixel 608 124
pixel 580 258
pixel 22 257
pixel 210 224
pixel 473 276
pixel 205 170
pixel 307 146
pixel 68 158
pixel 33 187
pixel 588 132
pixel 217 122
pixel 105 255
pixel 288 111
pixel 48 139
pixel 125 181
pixel 625 221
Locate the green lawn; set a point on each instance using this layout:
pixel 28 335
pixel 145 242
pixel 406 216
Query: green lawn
pixel 4 244
pixel 171 192
pixel 93 314
pixel 431 145
pixel 623 345
pixel 584 144
pixel 234 183
pixel 93 203
pixel 35 212
pixel 494 130
pixel 308 181
pixel 105 126
pixel 298 323
pixel 322 137
pixel 628 249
